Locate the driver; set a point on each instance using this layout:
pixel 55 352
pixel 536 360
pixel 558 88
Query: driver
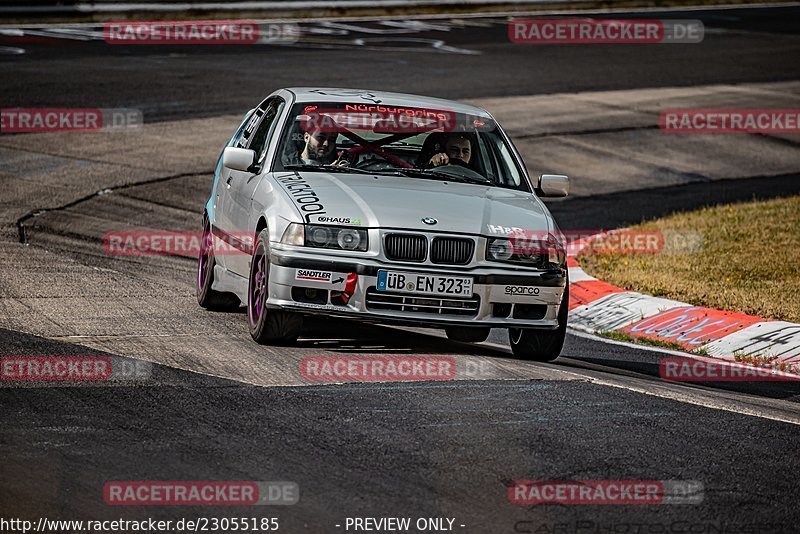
pixel 457 147
pixel 319 149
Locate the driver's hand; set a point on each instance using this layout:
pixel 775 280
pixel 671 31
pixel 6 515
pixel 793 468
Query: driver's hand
pixel 341 161
pixel 439 159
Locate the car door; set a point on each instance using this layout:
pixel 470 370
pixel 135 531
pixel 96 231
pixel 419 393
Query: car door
pixel 243 184
pixel 219 213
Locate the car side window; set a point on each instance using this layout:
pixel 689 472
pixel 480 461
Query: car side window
pixel 263 132
pixel 509 174
pixel 247 129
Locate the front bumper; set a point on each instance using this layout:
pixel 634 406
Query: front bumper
pixel 503 297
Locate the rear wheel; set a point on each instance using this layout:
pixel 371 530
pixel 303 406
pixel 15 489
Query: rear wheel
pixel 541 345
pixel 207 297
pixel 274 327
pixel 467 334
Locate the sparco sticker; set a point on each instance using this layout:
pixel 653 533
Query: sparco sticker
pixel 521 290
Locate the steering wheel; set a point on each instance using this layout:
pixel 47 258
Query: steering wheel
pixel 375 165
pixel 460 168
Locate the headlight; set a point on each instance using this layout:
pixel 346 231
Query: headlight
pixel 530 250
pixel 335 237
pixel 499 250
pixel 319 236
pixel 556 252
pixel 348 239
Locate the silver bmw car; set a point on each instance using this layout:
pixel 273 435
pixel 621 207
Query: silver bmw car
pixel 388 208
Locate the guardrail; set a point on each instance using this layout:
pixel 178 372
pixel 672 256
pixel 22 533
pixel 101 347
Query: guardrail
pixel 105 10
pixel 123 6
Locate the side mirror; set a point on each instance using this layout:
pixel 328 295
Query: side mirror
pixel 238 159
pixel 553 185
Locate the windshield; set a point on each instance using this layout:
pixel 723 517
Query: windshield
pixel 422 143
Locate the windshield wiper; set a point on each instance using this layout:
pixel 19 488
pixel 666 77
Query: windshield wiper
pixel 328 168
pixel 445 176
pixel 399 171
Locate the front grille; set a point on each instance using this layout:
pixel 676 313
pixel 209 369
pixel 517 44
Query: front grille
pixel 379 300
pixel 452 251
pixel 406 247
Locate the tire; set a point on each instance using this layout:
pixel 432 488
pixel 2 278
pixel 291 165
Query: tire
pixel 466 334
pixel 267 327
pixel 207 297
pixel 541 345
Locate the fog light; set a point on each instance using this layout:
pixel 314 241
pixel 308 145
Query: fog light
pixel 501 310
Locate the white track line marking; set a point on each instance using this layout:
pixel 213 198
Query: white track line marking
pixel 734 402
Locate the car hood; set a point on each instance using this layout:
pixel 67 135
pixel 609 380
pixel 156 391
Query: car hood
pixel 403 202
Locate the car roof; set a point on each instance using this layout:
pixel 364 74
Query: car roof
pixel 365 96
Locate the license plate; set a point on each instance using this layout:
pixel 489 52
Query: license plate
pixel 424 284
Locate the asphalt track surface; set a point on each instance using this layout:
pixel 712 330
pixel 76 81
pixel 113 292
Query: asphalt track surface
pixel 406 449
pixel 742 45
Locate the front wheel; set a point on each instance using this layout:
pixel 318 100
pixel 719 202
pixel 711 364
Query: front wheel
pixel 274 327
pixel 541 345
